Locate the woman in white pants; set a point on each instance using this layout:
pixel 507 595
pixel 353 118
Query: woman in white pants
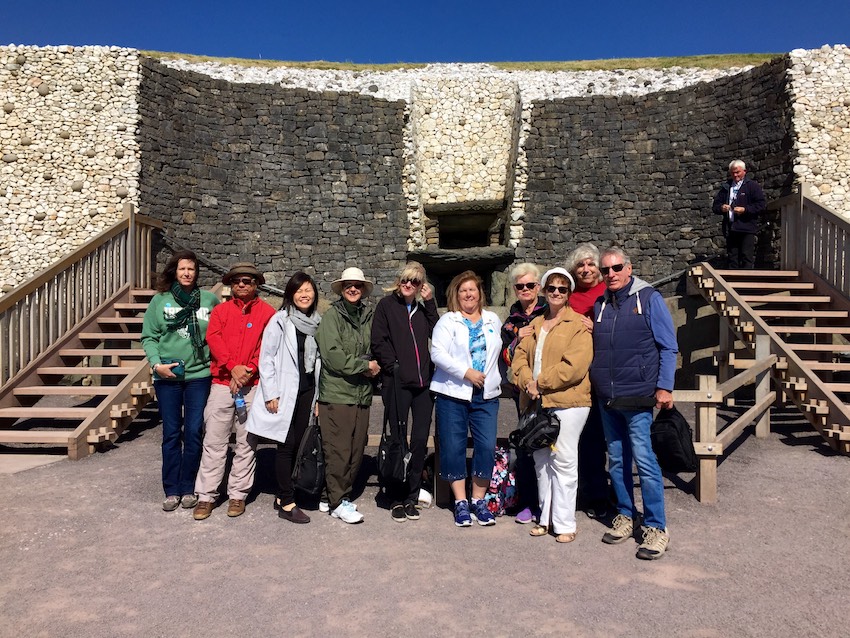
pixel 552 364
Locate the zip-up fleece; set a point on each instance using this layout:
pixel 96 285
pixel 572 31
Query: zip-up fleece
pixel 400 339
pixel 634 343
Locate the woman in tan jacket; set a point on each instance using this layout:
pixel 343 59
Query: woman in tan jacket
pixel 552 364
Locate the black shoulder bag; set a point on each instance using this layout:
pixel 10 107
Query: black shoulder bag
pixel 308 475
pixel 393 451
pixel 537 428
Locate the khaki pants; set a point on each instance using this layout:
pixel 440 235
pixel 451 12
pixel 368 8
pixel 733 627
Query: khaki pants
pixel 219 419
pixel 345 432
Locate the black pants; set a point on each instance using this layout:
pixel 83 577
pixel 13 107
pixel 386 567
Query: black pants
pixel 740 250
pixel 284 461
pixel 419 402
pixel 525 476
pixel 592 450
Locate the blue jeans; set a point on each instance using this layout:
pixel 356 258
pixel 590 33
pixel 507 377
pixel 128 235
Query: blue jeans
pixel 455 418
pixel 627 434
pixel 181 407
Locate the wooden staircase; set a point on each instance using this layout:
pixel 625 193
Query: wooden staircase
pixel 804 322
pixel 87 387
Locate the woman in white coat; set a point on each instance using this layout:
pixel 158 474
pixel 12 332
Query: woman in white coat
pixel 289 386
pixel 465 348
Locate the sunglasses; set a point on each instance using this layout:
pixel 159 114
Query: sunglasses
pixel 616 268
pixel 561 289
pixel 245 281
pixel 529 286
pixel 353 284
pixel 412 282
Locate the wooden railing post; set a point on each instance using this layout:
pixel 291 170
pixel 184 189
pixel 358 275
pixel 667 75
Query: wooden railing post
pixel 706 480
pixel 132 234
pixel 762 383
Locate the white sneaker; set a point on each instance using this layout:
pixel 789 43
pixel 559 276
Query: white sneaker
pixel 324 506
pixel 346 513
pixel 425 498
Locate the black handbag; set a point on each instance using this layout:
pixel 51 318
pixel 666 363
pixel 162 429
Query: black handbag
pixel 308 475
pixel 538 428
pixel 393 451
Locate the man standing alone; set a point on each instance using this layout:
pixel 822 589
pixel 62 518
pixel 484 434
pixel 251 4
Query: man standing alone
pixel 740 200
pixel 234 334
pixel 633 369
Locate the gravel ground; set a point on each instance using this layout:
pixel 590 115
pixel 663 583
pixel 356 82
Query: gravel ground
pixel 87 551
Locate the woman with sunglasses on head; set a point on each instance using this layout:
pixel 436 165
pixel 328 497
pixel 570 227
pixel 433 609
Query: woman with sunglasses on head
pixel 345 388
pixel 529 304
pixel 400 332
pixel 583 264
pixel 289 383
pixel 552 365
pixel 174 339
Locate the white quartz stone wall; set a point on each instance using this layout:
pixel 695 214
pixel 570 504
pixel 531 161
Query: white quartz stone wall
pixel 820 93
pixel 68 152
pixel 463 133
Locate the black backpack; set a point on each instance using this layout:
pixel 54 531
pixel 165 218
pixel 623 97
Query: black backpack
pixel 308 475
pixel 673 442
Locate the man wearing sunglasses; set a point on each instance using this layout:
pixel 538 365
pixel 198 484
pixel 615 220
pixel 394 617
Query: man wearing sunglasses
pixel 633 369
pixel 234 333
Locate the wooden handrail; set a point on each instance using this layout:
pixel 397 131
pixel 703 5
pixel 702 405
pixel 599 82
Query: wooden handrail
pixel 50 304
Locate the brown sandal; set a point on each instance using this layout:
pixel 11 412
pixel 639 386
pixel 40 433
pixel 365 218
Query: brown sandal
pixel 566 538
pixel 539 530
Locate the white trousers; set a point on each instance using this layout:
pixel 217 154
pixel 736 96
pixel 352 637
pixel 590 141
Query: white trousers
pixel 557 473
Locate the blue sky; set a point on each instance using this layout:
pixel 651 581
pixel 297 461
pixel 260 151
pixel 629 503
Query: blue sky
pixel 430 30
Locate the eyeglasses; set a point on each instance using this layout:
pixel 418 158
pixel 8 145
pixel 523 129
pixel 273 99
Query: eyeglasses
pixel 412 282
pixel 353 284
pixel 245 281
pixel 561 289
pixel 529 286
pixel 616 268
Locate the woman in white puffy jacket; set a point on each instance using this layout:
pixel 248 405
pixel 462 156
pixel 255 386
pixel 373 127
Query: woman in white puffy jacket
pixel 465 348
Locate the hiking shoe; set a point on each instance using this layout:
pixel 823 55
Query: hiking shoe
pixel 189 501
pixel 481 514
pixel 202 510
pixel 462 518
pixel 236 507
pixel 654 543
pixel 410 511
pixel 525 516
pixel 170 503
pixel 622 528
pixel 397 513
pixel 346 513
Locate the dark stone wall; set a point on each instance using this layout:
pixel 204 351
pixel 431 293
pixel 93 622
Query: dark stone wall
pixel 288 178
pixel 642 172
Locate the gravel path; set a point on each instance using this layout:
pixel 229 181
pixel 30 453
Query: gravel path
pixel 87 551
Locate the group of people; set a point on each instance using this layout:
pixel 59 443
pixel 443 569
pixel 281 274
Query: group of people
pixel 590 342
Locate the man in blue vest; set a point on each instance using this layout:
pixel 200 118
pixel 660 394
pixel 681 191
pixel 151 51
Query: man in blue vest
pixel 633 369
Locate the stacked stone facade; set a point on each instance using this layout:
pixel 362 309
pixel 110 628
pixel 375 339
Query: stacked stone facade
pixel 320 170
pixel 288 178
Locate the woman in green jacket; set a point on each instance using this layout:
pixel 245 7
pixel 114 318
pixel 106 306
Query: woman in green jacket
pixel 345 388
pixel 174 338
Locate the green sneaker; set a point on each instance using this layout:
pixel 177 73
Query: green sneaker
pixel 622 528
pixel 654 543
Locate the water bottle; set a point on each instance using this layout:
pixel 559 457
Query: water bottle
pixel 241 406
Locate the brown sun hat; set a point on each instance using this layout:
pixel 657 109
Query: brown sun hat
pixel 243 268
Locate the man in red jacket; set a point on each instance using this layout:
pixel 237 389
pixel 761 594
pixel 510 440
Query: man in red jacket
pixel 234 334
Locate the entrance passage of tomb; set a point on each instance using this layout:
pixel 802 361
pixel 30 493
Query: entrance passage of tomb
pixel 468 229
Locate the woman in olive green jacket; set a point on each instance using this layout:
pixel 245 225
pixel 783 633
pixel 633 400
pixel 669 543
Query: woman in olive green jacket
pixel 345 388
